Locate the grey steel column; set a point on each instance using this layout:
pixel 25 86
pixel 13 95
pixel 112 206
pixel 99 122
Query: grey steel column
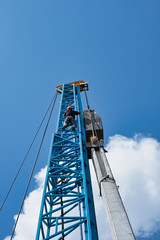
pixel 118 220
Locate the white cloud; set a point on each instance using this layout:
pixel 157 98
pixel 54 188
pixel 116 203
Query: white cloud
pixel 28 220
pixel 135 164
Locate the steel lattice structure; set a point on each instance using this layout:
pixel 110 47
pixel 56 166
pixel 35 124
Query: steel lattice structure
pixel 67 203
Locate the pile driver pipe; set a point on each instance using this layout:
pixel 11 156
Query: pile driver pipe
pixel 117 217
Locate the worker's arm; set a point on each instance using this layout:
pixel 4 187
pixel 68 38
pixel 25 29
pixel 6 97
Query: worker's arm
pixel 77 113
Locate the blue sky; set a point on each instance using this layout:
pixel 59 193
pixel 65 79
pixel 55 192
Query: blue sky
pixel 113 45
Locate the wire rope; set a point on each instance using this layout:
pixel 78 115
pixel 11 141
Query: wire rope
pixel 93 120
pixel 33 168
pixel 90 114
pixel 12 184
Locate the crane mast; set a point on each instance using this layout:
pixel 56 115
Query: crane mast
pixel 67 209
pixel 67 201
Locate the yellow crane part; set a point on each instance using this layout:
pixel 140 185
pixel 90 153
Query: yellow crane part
pixel 83 86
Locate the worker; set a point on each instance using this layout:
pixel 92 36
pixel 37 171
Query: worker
pixel 70 118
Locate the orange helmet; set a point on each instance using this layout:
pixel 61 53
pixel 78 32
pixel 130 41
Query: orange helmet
pixel 69 107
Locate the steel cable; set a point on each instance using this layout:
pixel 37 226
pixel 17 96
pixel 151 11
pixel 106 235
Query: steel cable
pixel 33 168
pixel 90 114
pixel 93 120
pixel 27 153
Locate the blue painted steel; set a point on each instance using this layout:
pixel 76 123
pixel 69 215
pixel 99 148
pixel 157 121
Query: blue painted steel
pixel 67 203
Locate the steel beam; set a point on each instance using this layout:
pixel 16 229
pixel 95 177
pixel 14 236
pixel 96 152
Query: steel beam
pixel 117 217
pixel 67 201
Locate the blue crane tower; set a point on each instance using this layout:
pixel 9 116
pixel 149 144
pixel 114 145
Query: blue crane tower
pixel 67 209
pixel 67 202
